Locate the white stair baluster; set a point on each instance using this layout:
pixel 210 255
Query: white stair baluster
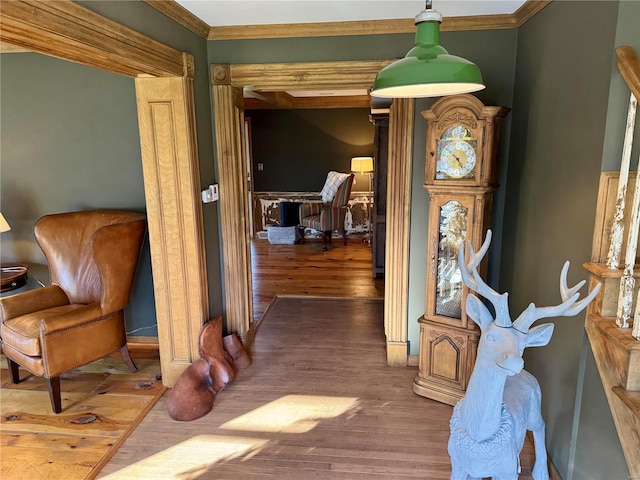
pixel 617 228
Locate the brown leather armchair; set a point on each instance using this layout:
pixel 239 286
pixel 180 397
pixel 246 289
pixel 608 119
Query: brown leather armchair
pixel 79 318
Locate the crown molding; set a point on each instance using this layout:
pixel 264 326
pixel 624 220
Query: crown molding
pixel 8 48
pixel 184 17
pixel 376 27
pixel 528 10
pixel 178 13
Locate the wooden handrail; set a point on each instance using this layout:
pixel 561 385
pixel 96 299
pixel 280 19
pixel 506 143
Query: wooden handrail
pixel 629 66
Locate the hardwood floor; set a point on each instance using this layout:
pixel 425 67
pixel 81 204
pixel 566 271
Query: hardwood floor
pixel 305 269
pixel 318 402
pixel 101 404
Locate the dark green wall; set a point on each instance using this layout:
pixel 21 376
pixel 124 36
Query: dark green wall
pixel 298 147
pixel 83 124
pixel 493 51
pixel 147 20
pixel 70 141
pixel 564 61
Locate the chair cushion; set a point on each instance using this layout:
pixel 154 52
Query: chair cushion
pixel 22 332
pixel 312 221
pixel 334 180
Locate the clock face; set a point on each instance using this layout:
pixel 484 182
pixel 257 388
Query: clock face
pixel 456 154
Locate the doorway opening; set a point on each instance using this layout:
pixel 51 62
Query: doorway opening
pixel 229 81
pixel 293 149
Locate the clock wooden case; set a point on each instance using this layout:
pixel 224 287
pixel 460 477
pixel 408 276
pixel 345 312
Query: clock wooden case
pixel 461 174
pixel 463 137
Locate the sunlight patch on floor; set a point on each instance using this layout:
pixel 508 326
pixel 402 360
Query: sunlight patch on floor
pixel 292 414
pixel 191 458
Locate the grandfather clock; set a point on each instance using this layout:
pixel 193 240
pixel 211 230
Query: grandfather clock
pixel 461 174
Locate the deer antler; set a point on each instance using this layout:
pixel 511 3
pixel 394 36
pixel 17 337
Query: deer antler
pixel 472 279
pixel 569 307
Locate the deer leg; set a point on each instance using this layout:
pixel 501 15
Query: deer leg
pixel 458 473
pixel 540 470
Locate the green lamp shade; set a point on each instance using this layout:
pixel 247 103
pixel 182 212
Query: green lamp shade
pixel 427 70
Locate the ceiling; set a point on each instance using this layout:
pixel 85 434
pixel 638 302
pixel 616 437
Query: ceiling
pixel 235 13
pixel 217 13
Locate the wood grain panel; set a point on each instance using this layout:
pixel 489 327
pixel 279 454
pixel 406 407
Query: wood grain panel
pixel 310 75
pixel 610 358
pixel 354 101
pixel 616 352
pixel 171 175
pixel 397 235
pixel 629 66
pixel 234 212
pixel 66 30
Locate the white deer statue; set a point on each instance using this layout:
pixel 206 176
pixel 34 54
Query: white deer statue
pixel 502 400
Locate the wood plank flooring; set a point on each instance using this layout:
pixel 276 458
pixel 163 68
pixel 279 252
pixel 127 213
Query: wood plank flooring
pixel 101 403
pixel 305 269
pixel 318 403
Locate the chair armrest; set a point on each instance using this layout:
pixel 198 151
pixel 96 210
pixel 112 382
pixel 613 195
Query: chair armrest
pixel 70 319
pixel 32 301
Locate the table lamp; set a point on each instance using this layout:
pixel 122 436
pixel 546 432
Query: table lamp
pixel 13 275
pixel 4 225
pixel 364 165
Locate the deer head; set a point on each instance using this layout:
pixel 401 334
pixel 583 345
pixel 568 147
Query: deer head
pixel 502 341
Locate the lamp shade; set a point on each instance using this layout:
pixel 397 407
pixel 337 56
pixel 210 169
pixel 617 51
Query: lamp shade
pixel 4 226
pixel 427 70
pixel 362 164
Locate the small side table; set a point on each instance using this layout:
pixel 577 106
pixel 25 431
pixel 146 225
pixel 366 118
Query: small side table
pixel 14 276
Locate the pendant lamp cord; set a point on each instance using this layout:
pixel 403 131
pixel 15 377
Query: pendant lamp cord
pixel 428 5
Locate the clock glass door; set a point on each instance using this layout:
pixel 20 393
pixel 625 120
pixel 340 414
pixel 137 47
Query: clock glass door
pixel 456 154
pixel 452 231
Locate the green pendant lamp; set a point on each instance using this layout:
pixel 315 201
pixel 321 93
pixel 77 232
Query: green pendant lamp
pixel 427 70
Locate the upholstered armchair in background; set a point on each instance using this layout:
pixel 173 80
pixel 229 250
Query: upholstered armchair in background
pixel 330 216
pixel 79 318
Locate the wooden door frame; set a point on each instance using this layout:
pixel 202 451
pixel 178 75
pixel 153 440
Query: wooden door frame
pixel 68 31
pixel 276 77
pixel 165 102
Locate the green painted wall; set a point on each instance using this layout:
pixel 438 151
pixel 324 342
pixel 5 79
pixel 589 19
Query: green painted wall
pixel 70 142
pixel 557 73
pixel 564 68
pixel 147 20
pixel 493 51
pixel 298 147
